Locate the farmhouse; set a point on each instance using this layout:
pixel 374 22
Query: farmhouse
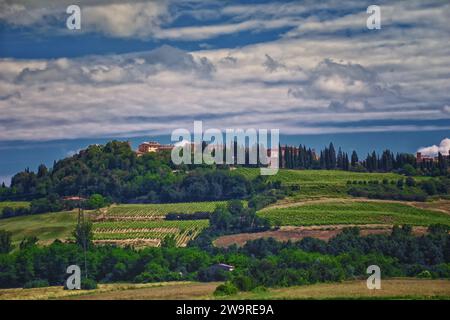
pixel 422 158
pixel 152 146
pixel 223 266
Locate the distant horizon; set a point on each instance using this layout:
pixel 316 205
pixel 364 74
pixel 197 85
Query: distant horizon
pixel 18 152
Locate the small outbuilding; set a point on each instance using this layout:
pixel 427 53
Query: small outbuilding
pixel 223 266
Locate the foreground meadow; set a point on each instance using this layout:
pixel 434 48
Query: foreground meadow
pixel 355 289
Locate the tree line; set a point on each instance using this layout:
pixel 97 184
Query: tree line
pixel 402 189
pixel 301 157
pixel 118 174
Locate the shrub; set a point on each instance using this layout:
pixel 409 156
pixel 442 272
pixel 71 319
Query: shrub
pixel 5 241
pixel 38 283
pixel 226 289
pixel 425 274
pixel 243 283
pixel 88 284
pixel 96 201
pixel 410 182
pixel 260 289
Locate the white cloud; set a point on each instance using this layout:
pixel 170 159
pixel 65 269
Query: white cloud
pixel 432 151
pixel 207 32
pixel 167 88
pixel 136 19
pixel 135 67
pixel 446 109
pixel 126 19
pixel 347 86
pixel 131 18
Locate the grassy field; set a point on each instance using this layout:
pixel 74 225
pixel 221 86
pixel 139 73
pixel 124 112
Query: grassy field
pixel 390 289
pixel 47 227
pixel 357 289
pixel 333 177
pixel 14 204
pixel 319 183
pixel 352 212
pixel 178 290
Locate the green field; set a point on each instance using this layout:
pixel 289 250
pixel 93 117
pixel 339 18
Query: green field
pixel 14 204
pixel 352 212
pixel 47 227
pixel 319 183
pixel 155 210
pixel 314 177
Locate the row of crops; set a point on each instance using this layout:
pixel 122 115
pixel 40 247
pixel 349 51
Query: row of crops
pixel 184 224
pixel 354 212
pixel 144 223
pixel 313 177
pixel 162 209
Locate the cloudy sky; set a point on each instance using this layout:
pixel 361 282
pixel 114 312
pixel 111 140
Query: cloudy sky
pixel 139 68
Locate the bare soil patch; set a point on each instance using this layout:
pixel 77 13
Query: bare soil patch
pixel 297 233
pixel 440 205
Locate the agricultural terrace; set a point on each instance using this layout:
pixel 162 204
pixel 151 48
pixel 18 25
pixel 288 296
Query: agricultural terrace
pixel 160 210
pixel 144 224
pixel 350 211
pixel 314 177
pixel 319 183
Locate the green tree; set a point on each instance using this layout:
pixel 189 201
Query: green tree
pixel 5 241
pixel 235 206
pixel 83 234
pixel 28 242
pixel 410 182
pixel 169 241
pixel 354 159
pixel 96 201
pixel 429 187
pixel 409 170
